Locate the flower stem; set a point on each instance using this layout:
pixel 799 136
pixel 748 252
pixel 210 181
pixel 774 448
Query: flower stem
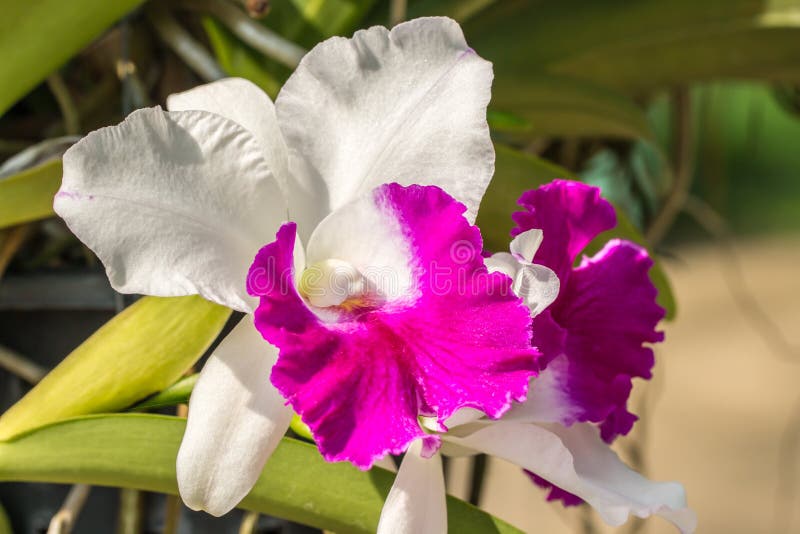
pixel 65 103
pixel 64 520
pixel 250 31
pixel 397 13
pixel 184 45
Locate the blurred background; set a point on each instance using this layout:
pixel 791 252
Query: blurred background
pixel 685 113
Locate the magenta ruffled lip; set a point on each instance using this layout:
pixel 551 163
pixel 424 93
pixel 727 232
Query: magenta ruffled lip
pixel 360 382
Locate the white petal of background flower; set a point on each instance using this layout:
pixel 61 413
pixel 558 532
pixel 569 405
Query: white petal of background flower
pixel 406 105
pixel 236 419
pixel 537 285
pixel 416 503
pixel 504 263
pixel 525 245
pixel 577 460
pixel 172 203
pixel 247 105
pixel 548 401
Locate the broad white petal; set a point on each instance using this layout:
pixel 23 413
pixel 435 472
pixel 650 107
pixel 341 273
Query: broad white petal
pixel 406 105
pixel 416 503
pixel 525 245
pixel 236 419
pixel 578 461
pixel 173 203
pixel 247 105
pixel 537 286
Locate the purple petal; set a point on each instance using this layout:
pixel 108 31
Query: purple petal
pixel 593 336
pixel 360 380
pixel 609 311
pixel 570 214
pixel 555 493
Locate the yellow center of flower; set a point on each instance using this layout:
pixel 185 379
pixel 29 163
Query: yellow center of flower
pixel 333 282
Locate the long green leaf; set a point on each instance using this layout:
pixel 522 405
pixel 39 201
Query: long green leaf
pixel 643 45
pixel 38 36
pixel 141 351
pixel 517 172
pixel 177 393
pixel 28 195
pixel 138 451
pixel 560 106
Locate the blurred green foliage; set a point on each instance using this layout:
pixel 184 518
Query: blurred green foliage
pixel 143 350
pixel 138 451
pixel 38 37
pixel 28 195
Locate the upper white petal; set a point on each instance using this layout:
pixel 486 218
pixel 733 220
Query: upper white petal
pixel 525 245
pixel 173 203
pixel 503 262
pixel 236 419
pixel 578 461
pixel 406 105
pixel 537 286
pixel 247 105
pixel 416 503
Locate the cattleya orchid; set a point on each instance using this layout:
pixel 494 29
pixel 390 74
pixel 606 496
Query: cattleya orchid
pixel 368 304
pixel 592 339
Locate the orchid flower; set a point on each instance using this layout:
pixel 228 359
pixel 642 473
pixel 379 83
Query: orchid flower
pixel 593 339
pixel 591 336
pixel 368 303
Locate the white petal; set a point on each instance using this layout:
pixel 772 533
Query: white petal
pixel 525 245
pixel 247 105
pixel 416 503
pixel 236 419
pixel 577 460
pixel 406 105
pixel 463 416
pixel 503 262
pixel 547 400
pixel 537 286
pixel 173 203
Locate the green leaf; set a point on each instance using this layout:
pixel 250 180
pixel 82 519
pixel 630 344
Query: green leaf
pixel 559 106
pixel 141 351
pixel 177 393
pixel 236 59
pixel 38 37
pixel 517 172
pixel 309 21
pixel 138 451
pixel 28 195
pixel 644 45
pixel 460 10
pixel 305 22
